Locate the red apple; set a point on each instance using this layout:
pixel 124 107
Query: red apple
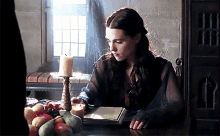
pixel 63 129
pixel 46 117
pixel 32 130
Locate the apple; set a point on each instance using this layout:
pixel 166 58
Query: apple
pixel 63 129
pixel 46 117
pixel 32 130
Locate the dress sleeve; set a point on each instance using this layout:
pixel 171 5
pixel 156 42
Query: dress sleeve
pixel 91 90
pixel 171 100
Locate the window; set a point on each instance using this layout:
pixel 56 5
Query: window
pixel 65 28
pixel 69 27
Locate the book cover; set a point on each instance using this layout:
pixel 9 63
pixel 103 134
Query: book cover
pixel 106 115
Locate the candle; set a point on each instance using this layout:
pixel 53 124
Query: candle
pixel 66 65
pixel 78 110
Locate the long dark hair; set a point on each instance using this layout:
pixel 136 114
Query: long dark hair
pixel 130 21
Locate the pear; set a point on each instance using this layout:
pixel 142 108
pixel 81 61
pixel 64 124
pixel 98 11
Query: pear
pixel 47 129
pixel 72 120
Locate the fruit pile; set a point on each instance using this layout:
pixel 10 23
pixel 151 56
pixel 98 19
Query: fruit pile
pixel 51 119
pixel 51 109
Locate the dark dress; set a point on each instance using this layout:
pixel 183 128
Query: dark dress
pixel 164 103
pixel 13 74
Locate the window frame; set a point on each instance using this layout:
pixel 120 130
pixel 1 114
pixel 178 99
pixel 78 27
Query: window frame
pixel 47 51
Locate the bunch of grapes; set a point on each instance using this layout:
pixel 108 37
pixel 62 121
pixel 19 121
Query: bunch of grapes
pixel 52 109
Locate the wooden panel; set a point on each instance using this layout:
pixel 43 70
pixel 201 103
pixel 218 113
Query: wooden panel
pixel 207 127
pixel 204 92
pixel 205 29
pixel 201 64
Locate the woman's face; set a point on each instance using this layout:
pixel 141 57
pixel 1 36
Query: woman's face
pixel 122 46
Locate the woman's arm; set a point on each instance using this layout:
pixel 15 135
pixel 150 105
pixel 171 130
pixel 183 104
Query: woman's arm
pixel 88 92
pixel 91 90
pixel 170 110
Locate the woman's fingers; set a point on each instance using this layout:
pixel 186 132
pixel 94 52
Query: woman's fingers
pixel 138 124
pixel 139 120
pixel 132 124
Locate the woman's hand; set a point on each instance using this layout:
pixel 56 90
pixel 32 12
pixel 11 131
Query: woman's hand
pixel 77 100
pixel 140 120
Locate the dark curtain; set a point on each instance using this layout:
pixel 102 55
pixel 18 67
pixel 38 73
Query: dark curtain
pixel 96 43
pixel 13 74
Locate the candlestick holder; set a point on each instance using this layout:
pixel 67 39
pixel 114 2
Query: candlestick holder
pixel 65 99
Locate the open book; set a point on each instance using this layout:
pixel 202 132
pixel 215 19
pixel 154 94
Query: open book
pixel 105 115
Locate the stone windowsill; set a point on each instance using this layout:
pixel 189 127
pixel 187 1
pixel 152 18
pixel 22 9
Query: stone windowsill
pixel 53 77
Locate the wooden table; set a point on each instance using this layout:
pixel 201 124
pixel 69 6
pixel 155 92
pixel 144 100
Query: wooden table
pixel 180 128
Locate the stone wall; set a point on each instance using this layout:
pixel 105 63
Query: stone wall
pixel 162 18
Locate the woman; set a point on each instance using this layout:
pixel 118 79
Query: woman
pixel 130 76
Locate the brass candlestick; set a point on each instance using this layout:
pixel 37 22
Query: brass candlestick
pixel 65 99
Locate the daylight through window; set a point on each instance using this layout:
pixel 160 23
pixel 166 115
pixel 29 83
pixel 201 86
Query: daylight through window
pixel 69 27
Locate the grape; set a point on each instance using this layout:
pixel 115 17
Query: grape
pixel 50 105
pixel 46 107
pixel 52 109
pixel 57 106
pixel 60 108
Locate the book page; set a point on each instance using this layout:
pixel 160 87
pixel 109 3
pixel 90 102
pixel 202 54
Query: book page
pixel 106 113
